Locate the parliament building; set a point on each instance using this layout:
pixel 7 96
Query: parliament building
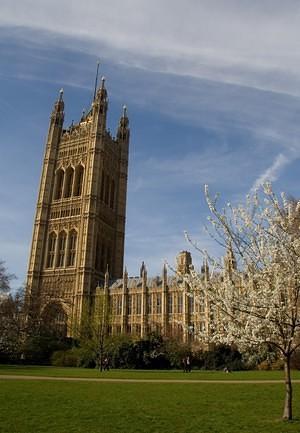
pixel 77 251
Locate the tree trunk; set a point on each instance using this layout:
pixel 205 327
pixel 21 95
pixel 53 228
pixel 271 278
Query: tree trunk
pixel 287 412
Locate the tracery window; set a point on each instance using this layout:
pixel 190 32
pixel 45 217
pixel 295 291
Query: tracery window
pixel 112 194
pixel 79 173
pixel 138 303
pixel 51 250
pixel 179 303
pixel 170 303
pixel 68 186
pixel 72 248
pixel 59 181
pixel 61 249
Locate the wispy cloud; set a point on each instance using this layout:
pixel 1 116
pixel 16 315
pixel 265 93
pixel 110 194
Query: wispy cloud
pixel 251 44
pixel 272 173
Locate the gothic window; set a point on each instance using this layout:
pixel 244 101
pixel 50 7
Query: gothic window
pixel 149 303
pixel 59 181
pixel 138 303
pixel 72 248
pixel 179 303
pixel 201 302
pixel 191 304
pixel 102 258
pixel 51 250
pixel 98 255
pixel 112 194
pixel 106 198
pixel 68 186
pixel 158 303
pixel 129 305
pixel 102 186
pixel 79 172
pixel 61 249
pixel 170 303
pixel 119 305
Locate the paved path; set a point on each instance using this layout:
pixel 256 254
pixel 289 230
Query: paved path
pixel 110 380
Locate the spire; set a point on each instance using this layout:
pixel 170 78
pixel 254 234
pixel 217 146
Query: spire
pixel 164 273
pixel 58 110
pixel 143 271
pixel 123 128
pixel 229 260
pixel 205 269
pixel 106 277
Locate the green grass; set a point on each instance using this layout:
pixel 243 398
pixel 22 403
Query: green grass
pixel 142 374
pixel 81 407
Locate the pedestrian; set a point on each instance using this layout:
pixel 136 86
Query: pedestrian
pixel 188 364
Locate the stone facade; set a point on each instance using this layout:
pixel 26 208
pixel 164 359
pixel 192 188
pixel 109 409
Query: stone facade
pixel 78 238
pixel 79 227
pixel 141 305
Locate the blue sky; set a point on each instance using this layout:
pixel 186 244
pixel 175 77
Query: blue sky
pixel 213 95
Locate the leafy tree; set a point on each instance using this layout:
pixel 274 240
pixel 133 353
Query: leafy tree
pixel 5 279
pixel 253 294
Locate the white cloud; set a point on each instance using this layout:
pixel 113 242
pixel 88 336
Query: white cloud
pixel 272 173
pixel 249 43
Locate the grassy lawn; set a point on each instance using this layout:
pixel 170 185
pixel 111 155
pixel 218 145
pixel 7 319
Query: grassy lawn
pixel 79 407
pixel 143 374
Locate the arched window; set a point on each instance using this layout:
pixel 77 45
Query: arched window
pixel 59 181
pixel 106 198
pixel 102 186
pixel 68 186
pixel 72 248
pixel 79 172
pixel 98 256
pixel 61 249
pixel 112 194
pixel 51 250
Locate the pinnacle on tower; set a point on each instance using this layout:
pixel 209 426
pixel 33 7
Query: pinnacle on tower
pixel 123 129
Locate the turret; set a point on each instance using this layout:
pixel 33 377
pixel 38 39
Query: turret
pixel 100 105
pixel 123 129
pixel 106 279
pixel 164 274
pixel 230 264
pixel 205 269
pixel 184 261
pixel 57 115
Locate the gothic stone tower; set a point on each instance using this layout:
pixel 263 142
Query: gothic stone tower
pixel 80 217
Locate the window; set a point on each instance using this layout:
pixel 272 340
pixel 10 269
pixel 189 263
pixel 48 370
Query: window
pixel 69 177
pixel 72 248
pixel 61 249
pixel 129 305
pixel 112 194
pixel 158 303
pixel 59 181
pixel 170 303
pixel 149 304
pixel 191 304
pixel 102 186
pixel 106 198
pixel 179 303
pixel 51 250
pixel 118 305
pixel 78 180
pixel 138 303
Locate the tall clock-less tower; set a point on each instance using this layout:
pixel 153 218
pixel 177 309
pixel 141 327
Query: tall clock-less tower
pixel 79 226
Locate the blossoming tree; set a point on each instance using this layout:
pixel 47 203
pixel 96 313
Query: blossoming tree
pixel 253 294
